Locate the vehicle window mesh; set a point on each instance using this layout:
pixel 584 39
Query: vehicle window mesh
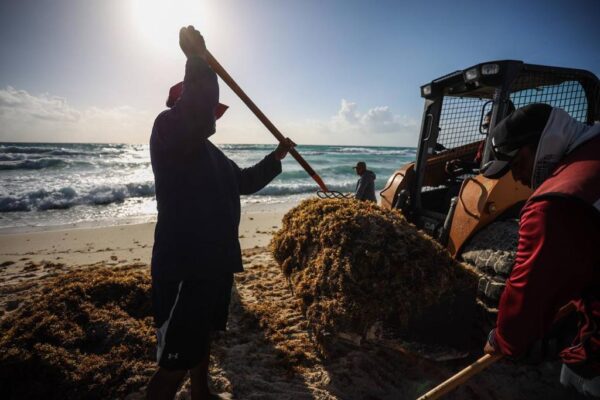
pixel 568 95
pixel 460 120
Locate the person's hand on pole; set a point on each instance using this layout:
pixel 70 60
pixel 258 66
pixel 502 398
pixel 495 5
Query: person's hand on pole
pixel 218 68
pixel 284 147
pixel 490 345
pixel 489 349
pixel 192 43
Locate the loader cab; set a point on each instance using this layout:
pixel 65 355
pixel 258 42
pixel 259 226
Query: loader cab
pixel 451 129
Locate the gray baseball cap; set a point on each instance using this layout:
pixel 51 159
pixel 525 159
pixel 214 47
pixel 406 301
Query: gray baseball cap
pixel 521 128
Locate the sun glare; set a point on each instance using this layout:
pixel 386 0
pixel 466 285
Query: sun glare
pixel 158 22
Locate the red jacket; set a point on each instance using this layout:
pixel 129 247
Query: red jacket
pixel 558 260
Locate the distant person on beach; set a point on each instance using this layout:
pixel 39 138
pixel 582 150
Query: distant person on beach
pixel 196 247
pixel 557 261
pixel 365 187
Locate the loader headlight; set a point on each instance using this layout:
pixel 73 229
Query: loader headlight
pixel 490 69
pixel 472 74
pixel 426 90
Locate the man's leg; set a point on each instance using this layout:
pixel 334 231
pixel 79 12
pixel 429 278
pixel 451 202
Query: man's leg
pixel 166 303
pixel 199 377
pixel 164 384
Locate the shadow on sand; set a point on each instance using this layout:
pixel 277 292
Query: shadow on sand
pixel 268 353
pixel 248 364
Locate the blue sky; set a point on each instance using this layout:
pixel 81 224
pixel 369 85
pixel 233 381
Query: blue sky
pixel 325 72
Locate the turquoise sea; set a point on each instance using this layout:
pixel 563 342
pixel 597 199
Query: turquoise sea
pixel 53 184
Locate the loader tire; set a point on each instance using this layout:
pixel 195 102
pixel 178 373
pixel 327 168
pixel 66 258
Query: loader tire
pixel 492 252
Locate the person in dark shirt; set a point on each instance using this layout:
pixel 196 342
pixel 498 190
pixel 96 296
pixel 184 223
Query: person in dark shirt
pixel 196 247
pixel 365 187
pixel 557 261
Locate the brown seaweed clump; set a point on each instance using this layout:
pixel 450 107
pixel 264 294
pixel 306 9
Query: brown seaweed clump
pixel 357 267
pixel 87 334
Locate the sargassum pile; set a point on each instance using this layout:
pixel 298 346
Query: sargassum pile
pixel 355 266
pixel 86 334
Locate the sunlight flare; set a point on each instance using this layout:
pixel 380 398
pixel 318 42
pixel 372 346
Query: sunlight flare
pixel 158 21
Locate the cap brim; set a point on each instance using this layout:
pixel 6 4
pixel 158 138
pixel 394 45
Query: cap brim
pixel 495 169
pixel 220 110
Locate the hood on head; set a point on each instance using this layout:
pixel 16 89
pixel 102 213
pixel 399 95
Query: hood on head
pixel 561 135
pixel 175 93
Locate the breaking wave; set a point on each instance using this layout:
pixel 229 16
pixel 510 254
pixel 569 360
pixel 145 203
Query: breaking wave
pixel 33 164
pixel 78 180
pixel 24 150
pixel 275 189
pixel 68 197
pixel 14 163
pixel 59 151
pixel 376 151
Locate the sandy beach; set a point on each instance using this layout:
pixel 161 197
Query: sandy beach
pixel 267 352
pixel 118 244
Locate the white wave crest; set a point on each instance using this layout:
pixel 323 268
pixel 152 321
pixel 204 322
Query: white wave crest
pixel 68 197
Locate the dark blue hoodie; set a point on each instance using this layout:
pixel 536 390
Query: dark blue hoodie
pixel 197 187
pixel 365 187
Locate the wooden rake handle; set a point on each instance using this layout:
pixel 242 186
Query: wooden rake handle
pixel 485 361
pixel 453 382
pixel 218 68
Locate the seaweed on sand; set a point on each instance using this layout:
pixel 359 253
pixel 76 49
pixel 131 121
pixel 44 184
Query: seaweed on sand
pixel 356 266
pixel 86 334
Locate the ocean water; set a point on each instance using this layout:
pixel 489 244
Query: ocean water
pixel 54 184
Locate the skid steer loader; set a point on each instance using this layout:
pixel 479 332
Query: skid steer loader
pixel 476 218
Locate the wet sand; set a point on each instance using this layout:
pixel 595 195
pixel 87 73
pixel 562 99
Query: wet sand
pixel 114 245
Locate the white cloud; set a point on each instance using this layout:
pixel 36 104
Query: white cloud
pixel 41 118
pixel 347 113
pixel 47 118
pixel 19 103
pixel 377 120
pixel 378 126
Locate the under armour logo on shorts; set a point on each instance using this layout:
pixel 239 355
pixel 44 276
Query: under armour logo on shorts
pixel 173 355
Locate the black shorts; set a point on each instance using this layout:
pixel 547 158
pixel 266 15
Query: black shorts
pixel 185 315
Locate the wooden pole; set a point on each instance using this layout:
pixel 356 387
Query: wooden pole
pixel 453 382
pixel 218 68
pixel 485 361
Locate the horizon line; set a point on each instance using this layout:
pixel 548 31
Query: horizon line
pixel 217 144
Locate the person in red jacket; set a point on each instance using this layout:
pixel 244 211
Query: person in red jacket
pixel 558 259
